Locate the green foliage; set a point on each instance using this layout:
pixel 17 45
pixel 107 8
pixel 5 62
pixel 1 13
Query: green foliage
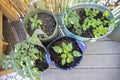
pixel 72 19
pixel 106 14
pixel 100 31
pixel 91 12
pixel 67 53
pixel 99 25
pixel 35 22
pixel 24 57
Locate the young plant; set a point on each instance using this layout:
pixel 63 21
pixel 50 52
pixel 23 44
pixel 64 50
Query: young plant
pixel 67 52
pixel 36 23
pixel 98 25
pixel 72 20
pixel 22 60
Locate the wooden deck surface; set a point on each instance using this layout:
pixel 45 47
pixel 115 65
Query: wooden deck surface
pixel 101 60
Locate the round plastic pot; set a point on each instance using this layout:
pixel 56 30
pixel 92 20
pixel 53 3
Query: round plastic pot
pixel 88 5
pixel 81 45
pixel 115 34
pixel 33 13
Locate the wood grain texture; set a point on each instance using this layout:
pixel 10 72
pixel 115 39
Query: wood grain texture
pixel 2 72
pixel 98 62
pixel 103 47
pixel 82 74
pixel 8 11
pixel 1 31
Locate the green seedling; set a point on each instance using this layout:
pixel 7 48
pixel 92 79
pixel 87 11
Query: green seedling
pixel 67 53
pixel 36 23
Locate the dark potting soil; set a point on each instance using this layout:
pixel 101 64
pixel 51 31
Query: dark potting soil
pixel 57 57
pixel 48 24
pixel 89 32
pixel 42 66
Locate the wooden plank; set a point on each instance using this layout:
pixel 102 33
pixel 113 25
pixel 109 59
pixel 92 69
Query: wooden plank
pixel 1 23
pixel 112 7
pixel 98 62
pixel 18 25
pixel 4 47
pixel 82 74
pixel 103 47
pixel 1 34
pixel 8 31
pixel 21 36
pixel 2 72
pixel 9 12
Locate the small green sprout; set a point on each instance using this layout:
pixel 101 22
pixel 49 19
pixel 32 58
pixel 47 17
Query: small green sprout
pixel 106 14
pixel 72 18
pixel 67 53
pixel 100 31
pixel 36 23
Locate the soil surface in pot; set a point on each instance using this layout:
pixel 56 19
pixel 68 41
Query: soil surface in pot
pixel 41 65
pixel 48 24
pixel 89 32
pixel 57 57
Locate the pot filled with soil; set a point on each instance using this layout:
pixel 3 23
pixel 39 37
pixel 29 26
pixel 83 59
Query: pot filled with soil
pixel 28 59
pixel 65 52
pixel 88 21
pixel 42 22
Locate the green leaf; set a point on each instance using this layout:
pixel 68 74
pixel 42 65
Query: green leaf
pixel 12 54
pixel 34 50
pixel 35 72
pixel 69 60
pixel 25 46
pixel 64 45
pixel 5 66
pixel 4 57
pixel 63 56
pixel 14 67
pixel 63 61
pixel 69 47
pixel 71 56
pixel 38 78
pixel 18 46
pixel 21 73
pixel 1 63
pixel 76 53
pixel 57 49
pixel 31 19
pixel 106 13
